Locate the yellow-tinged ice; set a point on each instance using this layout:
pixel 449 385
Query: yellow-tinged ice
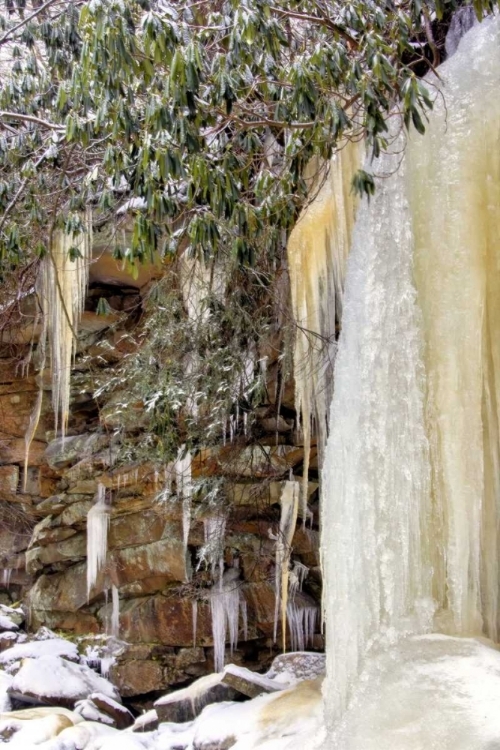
pixel 411 475
pixel 317 253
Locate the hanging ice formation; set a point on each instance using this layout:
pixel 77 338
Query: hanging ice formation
pixel 411 477
pixel 115 611
pixel 288 520
pixel 61 288
pixel 225 598
pixel 184 488
pixel 317 254
pixel 97 537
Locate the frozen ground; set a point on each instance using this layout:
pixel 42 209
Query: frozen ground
pixel 425 693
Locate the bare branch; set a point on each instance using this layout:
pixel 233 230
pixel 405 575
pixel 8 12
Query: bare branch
pixel 9 34
pixel 30 118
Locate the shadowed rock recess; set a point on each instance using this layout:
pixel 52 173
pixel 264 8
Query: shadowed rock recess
pixel 165 622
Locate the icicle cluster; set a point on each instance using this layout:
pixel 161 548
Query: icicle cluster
pixel 61 288
pixel 225 598
pixel 226 604
pixel 302 625
pixel 97 537
pixel 317 255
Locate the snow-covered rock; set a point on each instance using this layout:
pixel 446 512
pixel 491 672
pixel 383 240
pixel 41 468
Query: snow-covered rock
pixel 88 710
pixel 147 722
pixel 272 719
pixel 10 617
pixel 10 637
pixel 100 707
pixel 250 683
pixel 55 681
pixel 42 648
pixel 6 623
pixel 23 735
pixel 88 735
pixel 183 705
pixel 39 712
pixel 5 683
pixel 296 666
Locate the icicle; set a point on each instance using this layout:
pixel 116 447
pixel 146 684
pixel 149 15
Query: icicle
pixel 37 409
pixel 194 606
pixel 218 628
pixel 106 663
pixel 244 617
pixel 97 537
pixel 184 485
pixel 6 576
pixel 296 577
pixel 214 528
pixel 288 522
pixel 115 613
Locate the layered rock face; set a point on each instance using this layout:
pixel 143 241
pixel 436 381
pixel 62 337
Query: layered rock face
pixel 158 577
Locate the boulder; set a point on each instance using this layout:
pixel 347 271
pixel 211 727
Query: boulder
pixel 89 712
pixel 31 733
pixel 53 647
pixel 137 677
pixel 120 715
pixel 248 683
pixel 147 722
pixel 10 618
pixel 296 666
pixel 186 704
pixel 53 681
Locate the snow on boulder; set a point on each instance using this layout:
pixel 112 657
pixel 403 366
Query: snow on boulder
pixel 10 618
pixel 5 683
pixel 9 638
pixel 21 735
pixel 250 683
pixel 102 708
pixel 186 704
pixel 118 713
pixel 147 722
pixel 37 649
pixel 39 712
pixel 89 711
pixel 55 681
pixel 296 666
pixel 87 734
pixel 6 623
pixel 267 721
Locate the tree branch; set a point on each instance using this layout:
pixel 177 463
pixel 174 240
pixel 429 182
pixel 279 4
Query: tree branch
pixel 30 118
pixel 338 30
pixel 9 34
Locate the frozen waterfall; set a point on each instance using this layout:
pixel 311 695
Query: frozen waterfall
pixel 411 479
